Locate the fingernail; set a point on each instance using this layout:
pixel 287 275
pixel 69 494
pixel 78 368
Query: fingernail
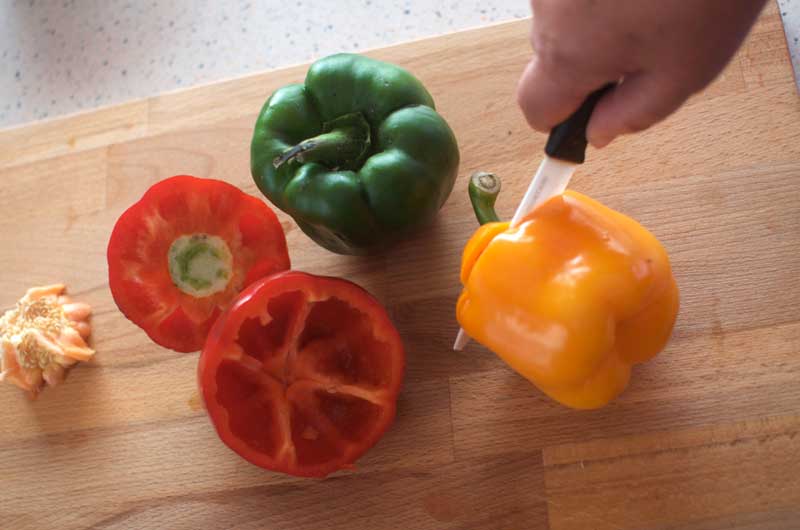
pixel 598 142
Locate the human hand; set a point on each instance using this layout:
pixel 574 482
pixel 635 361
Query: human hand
pixel 662 50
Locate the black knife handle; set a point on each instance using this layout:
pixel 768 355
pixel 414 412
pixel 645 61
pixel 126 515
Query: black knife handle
pixel 567 140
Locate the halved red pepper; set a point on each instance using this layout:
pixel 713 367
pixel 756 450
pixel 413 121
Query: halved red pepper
pixel 181 254
pixel 301 374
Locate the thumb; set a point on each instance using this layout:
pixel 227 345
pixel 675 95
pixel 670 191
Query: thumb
pixel 639 101
pixel 548 95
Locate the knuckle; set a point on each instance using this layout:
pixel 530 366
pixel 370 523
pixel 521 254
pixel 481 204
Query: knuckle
pixel 522 95
pixel 552 59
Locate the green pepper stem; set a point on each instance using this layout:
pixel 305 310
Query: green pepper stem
pixel 343 144
pixel 483 190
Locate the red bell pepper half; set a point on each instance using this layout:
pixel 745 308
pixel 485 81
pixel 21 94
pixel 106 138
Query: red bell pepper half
pixel 301 374
pixel 179 256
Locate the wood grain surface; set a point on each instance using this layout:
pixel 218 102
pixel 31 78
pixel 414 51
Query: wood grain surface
pixel 706 436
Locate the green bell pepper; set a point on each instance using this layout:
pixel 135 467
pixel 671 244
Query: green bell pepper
pixel 357 155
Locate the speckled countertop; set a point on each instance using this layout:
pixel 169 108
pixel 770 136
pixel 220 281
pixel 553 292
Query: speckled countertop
pixel 790 12
pixel 63 56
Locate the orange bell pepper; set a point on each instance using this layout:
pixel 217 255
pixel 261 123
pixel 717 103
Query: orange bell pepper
pixel 571 298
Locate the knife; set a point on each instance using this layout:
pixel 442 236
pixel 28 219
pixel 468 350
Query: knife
pixel 564 151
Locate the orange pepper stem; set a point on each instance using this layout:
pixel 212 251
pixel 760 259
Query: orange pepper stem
pixel 483 190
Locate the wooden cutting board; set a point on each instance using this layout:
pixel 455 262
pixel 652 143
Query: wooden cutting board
pixel 705 437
